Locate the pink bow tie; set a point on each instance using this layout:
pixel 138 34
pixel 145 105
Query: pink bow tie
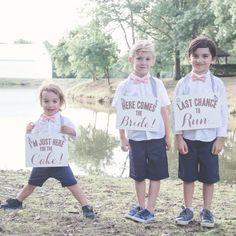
pixel 198 77
pixel 48 118
pixel 138 80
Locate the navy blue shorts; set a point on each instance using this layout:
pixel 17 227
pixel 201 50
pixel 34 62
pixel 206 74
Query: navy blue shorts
pixel 199 163
pixel 148 160
pixel 63 174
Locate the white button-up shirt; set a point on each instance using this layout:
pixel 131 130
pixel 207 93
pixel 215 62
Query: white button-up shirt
pixel 212 84
pixel 45 126
pixel 129 88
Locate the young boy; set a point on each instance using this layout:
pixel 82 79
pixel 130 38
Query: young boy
pixel 199 148
pixel 147 149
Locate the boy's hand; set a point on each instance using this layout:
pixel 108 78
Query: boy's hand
pixel 68 130
pixel 168 143
pixel 181 144
pixel 29 127
pixel 218 145
pixel 124 144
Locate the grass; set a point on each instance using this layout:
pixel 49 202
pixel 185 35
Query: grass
pixel 51 210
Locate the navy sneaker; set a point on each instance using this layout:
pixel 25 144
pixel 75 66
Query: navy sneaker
pixel 185 216
pixel 144 216
pixel 207 219
pixel 132 212
pixel 88 212
pixel 11 203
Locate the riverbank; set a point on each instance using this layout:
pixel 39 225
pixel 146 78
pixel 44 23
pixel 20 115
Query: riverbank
pixel 99 92
pixel 51 210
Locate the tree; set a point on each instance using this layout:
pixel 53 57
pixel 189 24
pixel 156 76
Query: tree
pixel 61 57
pixel 225 22
pixel 87 50
pixel 22 41
pixel 115 15
pixel 170 23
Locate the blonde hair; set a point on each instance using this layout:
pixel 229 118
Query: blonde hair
pixel 51 87
pixel 142 46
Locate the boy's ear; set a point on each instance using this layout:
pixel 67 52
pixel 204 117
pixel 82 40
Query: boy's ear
pixel 214 60
pixel 130 60
pixel 154 61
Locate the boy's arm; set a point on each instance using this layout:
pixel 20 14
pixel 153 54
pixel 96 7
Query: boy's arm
pixel 69 131
pixel 221 131
pixel 124 144
pixel 218 145
pixel 29 127
pixel 165 112
pixel 181 144
pixel 67 127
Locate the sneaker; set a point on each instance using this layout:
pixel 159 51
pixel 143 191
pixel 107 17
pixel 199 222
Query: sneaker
pixel 132 212
pixel 88 212
pixel 11 203
pixel 144 216
pixel 207 219
pixel 185 216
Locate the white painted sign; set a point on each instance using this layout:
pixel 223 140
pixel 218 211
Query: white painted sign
pixel 138 113
pixel 46 150
pixel 200 111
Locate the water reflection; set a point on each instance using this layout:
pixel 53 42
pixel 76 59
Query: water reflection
pixel 94 151
pixel 97 151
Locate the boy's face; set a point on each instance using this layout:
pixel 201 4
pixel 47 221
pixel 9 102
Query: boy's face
pixel 142 62
pixel 201 60
pixel 50 103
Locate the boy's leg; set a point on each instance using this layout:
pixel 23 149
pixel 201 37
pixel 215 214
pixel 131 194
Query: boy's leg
pixel 78 194
pixel 207 191
pixel 146 214
pixel 81 198
pixel 188 188
pixel 14 203
pixel 140 187
pixel 154 187
pixel 186 215
pixel 207 218
pixel 25 192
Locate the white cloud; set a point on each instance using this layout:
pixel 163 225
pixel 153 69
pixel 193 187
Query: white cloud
pixel 38 20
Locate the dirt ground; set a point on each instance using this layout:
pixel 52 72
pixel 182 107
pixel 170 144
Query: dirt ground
pixel 51 210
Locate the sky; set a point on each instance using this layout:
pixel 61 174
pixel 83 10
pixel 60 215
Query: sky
pixel 38 20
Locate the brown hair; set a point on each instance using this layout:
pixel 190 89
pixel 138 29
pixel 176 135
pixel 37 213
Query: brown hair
pixel 202 42
pixel 51 87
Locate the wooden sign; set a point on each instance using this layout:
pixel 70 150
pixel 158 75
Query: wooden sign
pixel 138 113
pixel 46 150
pixel 196 112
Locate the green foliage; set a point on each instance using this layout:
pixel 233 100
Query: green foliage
pixel 87 51
pixel 171 24
pixel 225 22
pixel 60 57
pixel 94 148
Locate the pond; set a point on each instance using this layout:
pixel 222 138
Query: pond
pixel 97 152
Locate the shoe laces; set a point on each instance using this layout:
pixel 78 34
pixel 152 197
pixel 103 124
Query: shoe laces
pixel 207 214
pixel 144 213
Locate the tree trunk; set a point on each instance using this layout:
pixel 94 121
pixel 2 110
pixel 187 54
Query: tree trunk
pixel 177 75
pixel 108 76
